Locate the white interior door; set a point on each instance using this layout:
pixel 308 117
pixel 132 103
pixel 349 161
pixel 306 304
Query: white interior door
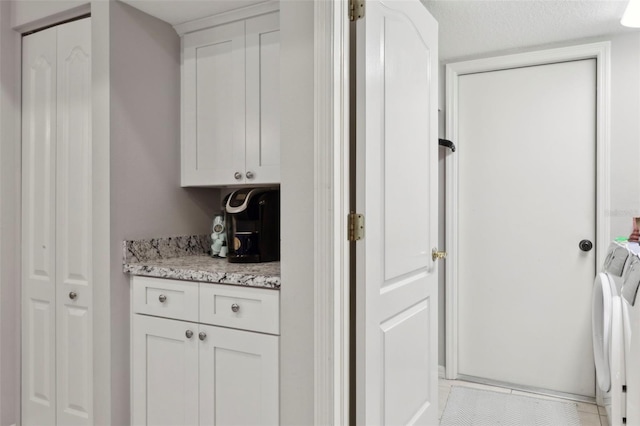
pixel 73 224
pixel 57 367
pixel 396 190
pixel 526 198
pixel 39 92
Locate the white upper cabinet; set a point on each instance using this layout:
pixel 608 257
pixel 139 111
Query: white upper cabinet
pixel 230 103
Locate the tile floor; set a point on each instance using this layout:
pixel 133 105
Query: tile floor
pixel 590 414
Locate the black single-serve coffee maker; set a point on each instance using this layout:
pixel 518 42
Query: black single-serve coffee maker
pixel 253 225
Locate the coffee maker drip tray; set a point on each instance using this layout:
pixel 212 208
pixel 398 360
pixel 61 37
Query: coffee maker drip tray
pixel 253 225
pixel 246 247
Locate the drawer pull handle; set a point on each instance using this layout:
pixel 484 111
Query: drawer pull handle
pixel 162 298
pixel 235 307
pixel 189 334
pixel 202 335
pixel 73 295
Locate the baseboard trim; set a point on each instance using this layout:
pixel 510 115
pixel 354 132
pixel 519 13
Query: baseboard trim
pixel 441 371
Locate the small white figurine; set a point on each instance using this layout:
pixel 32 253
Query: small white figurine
pixel 218 238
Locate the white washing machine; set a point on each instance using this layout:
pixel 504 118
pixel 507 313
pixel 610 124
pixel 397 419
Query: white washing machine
pixel 631 324
pixel 608 332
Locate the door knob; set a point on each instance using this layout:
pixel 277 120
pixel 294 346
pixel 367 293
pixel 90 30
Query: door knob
pixel 250 175
pixel 436 254
pixel 585 245
pixel 235 307
pixel 202 335
pixel 189 334
pixel 73 295
pixel 237 175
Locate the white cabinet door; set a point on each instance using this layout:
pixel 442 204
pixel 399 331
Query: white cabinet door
pixel 239 383
pixel 165 372
pixel 213 106
pixel 263 99
pixel 38 228
pixel 73 226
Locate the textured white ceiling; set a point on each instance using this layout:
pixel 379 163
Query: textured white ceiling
pixel 180 11
pixel 474 27
pixel 467 27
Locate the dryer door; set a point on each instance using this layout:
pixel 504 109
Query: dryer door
pixel 601 327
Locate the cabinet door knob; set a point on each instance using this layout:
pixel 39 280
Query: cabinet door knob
pixel 250 175
pixel 189 334
pixel 73 295
pixel 202 335
pixel 162 298
pixel 237 175
pixel 235 307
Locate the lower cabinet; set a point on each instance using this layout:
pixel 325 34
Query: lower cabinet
pixel 238 377
pixel 165 371
pixel 188 373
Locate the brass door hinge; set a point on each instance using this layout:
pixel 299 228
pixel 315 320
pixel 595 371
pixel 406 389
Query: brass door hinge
pixel 356 9
pixel 355 225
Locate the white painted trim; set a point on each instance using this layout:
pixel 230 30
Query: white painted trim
pixel 10 218
pixel 602 53
pixel 17 117
pixel 55 19
pixel 331 262
pixel 224 18
pixel 441 372
pixel 101 14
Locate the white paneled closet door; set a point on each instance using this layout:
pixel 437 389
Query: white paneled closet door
pixel 57 319
pixel 39 228
pixel 73 226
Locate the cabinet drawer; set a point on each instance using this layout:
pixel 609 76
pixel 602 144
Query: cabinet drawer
pixel 165 298
pixel 244 308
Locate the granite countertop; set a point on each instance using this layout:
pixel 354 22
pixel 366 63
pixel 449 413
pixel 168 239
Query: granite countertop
pixel 186 258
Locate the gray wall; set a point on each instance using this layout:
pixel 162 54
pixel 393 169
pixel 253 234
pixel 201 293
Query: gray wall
pixel 146 199
pixel 625 137
pixel 101 124
pixel 9 220
pixel 296 295
pixel 625 133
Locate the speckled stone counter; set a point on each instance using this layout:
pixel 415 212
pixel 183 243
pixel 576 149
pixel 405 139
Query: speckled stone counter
pixel 186 258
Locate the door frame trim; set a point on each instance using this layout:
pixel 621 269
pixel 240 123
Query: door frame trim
pixel 331 204
pixel 600 51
